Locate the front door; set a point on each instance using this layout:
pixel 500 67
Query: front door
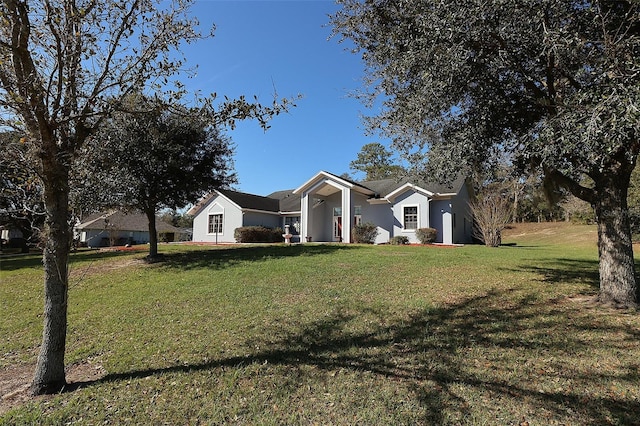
pixel 337 224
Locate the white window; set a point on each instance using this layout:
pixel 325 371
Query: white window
pixel 337 223
pixel 215 223
pixel 410 217
pixel 357 215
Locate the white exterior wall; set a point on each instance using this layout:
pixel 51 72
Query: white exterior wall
pixel 317 219
pixel 262 219
pixel 410 199
pixel 379 214
pixel 231 219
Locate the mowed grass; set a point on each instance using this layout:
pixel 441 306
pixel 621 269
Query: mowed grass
pixel 334 334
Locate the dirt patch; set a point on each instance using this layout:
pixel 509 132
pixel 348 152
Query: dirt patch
pixel 14 386
pixel 16 380
pixel 79 272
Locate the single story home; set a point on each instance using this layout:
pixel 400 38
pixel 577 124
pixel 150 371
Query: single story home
pixel 327 206
pixel 116 228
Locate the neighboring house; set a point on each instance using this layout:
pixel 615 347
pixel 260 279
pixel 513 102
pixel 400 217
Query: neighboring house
pixel 117 228
pixel 326 207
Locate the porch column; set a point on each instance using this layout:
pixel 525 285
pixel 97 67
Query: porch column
pixel 304 217
pixel 346 215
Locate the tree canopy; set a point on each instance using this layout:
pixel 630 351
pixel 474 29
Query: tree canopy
pixel 553 83
pixel 155 156
pixel 376 162
pixel 64 67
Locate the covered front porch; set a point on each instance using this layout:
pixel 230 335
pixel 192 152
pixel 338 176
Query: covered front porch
pixel 328 207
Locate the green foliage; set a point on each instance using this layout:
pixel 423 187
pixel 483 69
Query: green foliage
pixel 177 219
pixel 426 235
pixel 66 67
pixel 398 240
pixel 258 234
pixel 159 156
pixel 376 162
pixel 365 233
pixel 551 83
pixel 552 86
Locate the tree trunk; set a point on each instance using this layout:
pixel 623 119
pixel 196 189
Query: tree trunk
pixel 153 234
pixel 49 376
pixel 617 269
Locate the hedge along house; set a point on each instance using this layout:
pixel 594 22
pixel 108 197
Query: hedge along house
pixel 327 207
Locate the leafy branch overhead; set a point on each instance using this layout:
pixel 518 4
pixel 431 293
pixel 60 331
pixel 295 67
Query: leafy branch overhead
pixel 552 85
pixel 65 68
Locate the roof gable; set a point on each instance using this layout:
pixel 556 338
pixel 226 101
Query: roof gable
pixel 241 199
pixel 323 176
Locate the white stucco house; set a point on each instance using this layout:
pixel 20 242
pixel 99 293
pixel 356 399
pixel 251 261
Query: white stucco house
pixel 326 207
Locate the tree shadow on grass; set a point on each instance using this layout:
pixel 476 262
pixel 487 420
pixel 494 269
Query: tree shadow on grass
pixel 506 352
pixel 228 256
pixel 215 258
pixel 13 263
pixel 567 271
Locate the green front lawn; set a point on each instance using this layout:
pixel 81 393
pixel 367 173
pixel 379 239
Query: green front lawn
pixel 332 334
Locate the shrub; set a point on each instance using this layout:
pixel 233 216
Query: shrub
pixel 365 233
pixel 257 234
pixel 426 235
pixel 399 240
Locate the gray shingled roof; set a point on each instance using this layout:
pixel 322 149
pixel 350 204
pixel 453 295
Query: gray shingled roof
pixel 244 200
pixel 124 222
pixel 289 202
pixel 386 186
pixel 250 201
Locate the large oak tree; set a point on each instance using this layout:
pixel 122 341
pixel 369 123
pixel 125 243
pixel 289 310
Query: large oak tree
pixel 554 83
pixel 154 156
pixel 64 66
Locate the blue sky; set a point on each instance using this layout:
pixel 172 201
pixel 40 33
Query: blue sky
pixel 259 45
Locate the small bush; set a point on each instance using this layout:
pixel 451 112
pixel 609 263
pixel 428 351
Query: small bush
pixel 365 233
pixel 399 240
pixel 257 234
pixel 426 235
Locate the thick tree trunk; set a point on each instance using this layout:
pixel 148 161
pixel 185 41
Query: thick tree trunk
pixel 617 269
pixel 153 234
pixel 49 376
